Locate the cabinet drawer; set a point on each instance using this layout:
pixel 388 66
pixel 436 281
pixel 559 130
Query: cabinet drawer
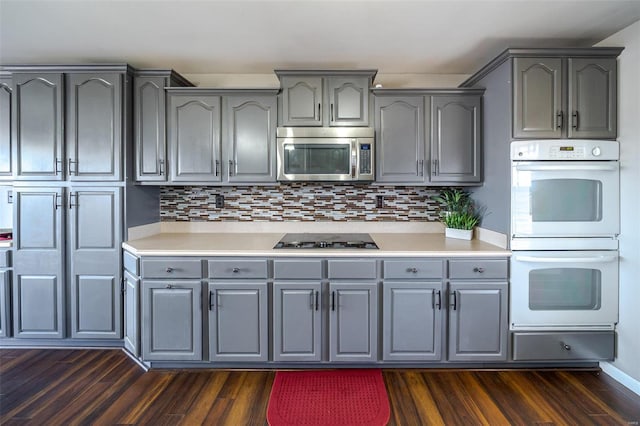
pixel 171 268
pixel 131 263
pixel 353 269
pixel 5 258
pixel 300 269
pixel 481 268
pixel 563 346
pixel 407 269
pixel 238 269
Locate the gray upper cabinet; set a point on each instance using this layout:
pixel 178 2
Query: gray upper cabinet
pixel 592 98
pixel 400 124
pixel 93 126
pixel 194 137
pixel 325 98
pixel 6 94
pixel 250 123
pixel 94 259
pixel 455 138
pixel 38 248
pixel 37 126
pixel 564 97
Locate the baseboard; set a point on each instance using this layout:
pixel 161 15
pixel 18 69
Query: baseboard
pixel 621 377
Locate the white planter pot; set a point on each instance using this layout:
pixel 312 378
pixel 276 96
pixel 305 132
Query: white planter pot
pixel 461 234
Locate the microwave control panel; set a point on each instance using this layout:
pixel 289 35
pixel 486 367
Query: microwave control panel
pixel 365 158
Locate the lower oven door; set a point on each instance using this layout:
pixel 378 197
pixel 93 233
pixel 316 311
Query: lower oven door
pixel 568 290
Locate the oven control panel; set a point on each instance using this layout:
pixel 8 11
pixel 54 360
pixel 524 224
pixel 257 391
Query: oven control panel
pixel 565 150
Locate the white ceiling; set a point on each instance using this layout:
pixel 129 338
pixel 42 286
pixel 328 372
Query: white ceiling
pixel 247 37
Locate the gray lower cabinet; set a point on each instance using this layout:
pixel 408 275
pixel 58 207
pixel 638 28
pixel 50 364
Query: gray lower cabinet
pixel 5 292
pixel 297 316
pixel 171 320
pixel 478 321
pixel 353 321
pixel 6 99
pixel 238 321
pixel 131 313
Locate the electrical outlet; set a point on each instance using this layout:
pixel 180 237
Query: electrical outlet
pixel 219 201
pixel 379 200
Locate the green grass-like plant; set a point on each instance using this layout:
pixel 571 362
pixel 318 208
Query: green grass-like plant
pixel 458 211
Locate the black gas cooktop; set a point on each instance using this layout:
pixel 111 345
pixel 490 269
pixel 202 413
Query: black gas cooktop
pixel 326 241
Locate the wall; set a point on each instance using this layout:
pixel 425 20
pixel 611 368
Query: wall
pixel 299 202
pixel 628 358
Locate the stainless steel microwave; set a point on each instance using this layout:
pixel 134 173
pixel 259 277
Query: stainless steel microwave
pixel 325 154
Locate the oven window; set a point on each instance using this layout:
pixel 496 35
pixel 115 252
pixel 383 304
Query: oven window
pixel 566 200
pixel 318 159
pixel 564 289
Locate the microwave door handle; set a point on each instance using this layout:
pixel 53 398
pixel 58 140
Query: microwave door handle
pixel 595 259
pixel 354 160
pixel 565 167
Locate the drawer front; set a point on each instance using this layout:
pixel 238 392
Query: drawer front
pixel 238 269
pixel 563 346
pixel 5 258
pixel 352 269
pixel 297 269
pixel 131 263
pixel 171 268
pixel 481 268
pixel 408 269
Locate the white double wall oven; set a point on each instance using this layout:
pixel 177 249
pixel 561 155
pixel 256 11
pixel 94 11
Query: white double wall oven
pixel 564 227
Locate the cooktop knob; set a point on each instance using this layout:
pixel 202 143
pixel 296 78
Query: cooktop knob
pixel 596 151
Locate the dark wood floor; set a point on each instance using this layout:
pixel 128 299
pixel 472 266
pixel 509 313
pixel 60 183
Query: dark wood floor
pixel 105 387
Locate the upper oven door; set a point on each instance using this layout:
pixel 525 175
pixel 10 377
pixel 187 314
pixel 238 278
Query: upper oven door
pixel 316 159
pixel 565 199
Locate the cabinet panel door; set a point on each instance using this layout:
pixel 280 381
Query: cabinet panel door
pixel 95 261
pixel 131 313
pixel 455 138
pixel 412 321
pixel 238 321
pixel 149 111
pixel 400 123
pixel 94 121
pixel 353 322
pixel 38 244
pixel 6 94
pixel 251 138
pixel 171 320
pixel 537 98
pixel 37 126
pixel 348 101
pixel 592 98
pixel 301 101
pixel 297 308
pixel 194 138
pixel 5 301
pixel 478 321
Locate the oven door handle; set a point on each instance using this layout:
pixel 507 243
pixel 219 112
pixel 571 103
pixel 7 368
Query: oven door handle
pixel 566 167
pixel 597 259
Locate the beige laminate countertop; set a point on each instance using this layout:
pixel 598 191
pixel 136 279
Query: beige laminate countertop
pixel 261 244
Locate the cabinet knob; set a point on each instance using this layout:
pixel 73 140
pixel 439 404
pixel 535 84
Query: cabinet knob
pixel 169 286
pixel 169 270
pixel 565 346
pixel 235 270
pixel 413 270
pixel 478 270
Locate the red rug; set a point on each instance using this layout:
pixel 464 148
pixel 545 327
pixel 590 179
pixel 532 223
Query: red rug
pixel 328 397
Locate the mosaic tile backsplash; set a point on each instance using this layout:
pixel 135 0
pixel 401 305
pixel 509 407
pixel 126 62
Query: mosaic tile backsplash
pixel 299 202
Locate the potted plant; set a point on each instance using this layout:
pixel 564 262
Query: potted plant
pixel 459 214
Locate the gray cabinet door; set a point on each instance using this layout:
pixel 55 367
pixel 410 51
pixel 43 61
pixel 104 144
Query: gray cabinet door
pixel 194 138
pixel 250 142
pixel 149 111
pixel 94 248
pixel 537 98
pixel 455 138
pixel 400 139
pixel 238 321
pixel 353 322
pixel 94 127
pixel 478 321
pixel 5 127
pixel 297 308
pixel 171 320
pixel 348 101
pixel 592 98
pixel 38 249
pixel 412 321
pixel 301 101
pixel 5 301
pixel 131 313
pixel 37 126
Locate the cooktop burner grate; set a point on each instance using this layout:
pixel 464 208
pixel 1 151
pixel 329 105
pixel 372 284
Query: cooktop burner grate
pixel 326 241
